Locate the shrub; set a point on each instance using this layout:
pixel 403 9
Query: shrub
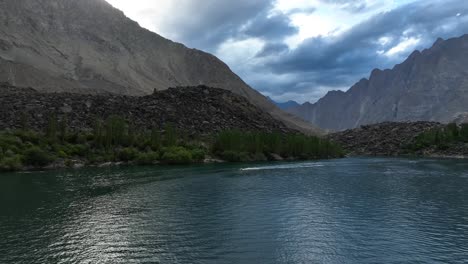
pixel 176 155
pixel 8 141
pixel 69 163
pixel 28 136
pixel 147 158
pixel 78 150
pixel 37 157
pixel 127 154
pixel 198 154
pixel 11 163
pixel 62 154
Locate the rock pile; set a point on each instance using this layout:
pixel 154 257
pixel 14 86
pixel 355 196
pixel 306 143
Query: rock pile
pixel 194 110
pixel 384 139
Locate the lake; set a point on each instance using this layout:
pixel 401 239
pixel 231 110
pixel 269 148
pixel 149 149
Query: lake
pixel 356 210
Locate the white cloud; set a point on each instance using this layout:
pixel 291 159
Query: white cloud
pixel 313 25
pixel 383 41
pixel 405 45
pixel 148 13
pixel 240 52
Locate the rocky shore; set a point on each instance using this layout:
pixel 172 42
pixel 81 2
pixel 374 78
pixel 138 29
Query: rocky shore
pixel 196 110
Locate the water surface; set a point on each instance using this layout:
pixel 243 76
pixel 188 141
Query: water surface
pixel 338 211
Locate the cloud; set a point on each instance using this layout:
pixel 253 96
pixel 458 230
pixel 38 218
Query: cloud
pixel 405 45
pixel 272 49
pixel 270 27
pixel 303 48
pixel 350 5
pixel 203 24
pixel 381 41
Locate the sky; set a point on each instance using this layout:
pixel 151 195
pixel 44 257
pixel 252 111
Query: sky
pixel 301 49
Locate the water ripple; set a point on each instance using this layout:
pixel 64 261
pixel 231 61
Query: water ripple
pixel 340 211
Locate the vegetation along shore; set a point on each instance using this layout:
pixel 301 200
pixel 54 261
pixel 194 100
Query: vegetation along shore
pixel 116 141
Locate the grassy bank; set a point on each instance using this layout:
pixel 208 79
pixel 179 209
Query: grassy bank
pixel 116 140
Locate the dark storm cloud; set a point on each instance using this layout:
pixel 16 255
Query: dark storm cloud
pixel 207 24
pixel 270 27
pixel 332 62
pixel 354 54
pixel 272 49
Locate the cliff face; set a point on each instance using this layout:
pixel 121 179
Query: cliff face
pixel 431 85
pixel 87 46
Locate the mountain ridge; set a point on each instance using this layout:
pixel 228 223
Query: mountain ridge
pixel 285 105
pixel 430 85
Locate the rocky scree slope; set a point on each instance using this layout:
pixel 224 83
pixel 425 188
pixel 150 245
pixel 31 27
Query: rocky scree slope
pixel 431 85
pixel 87 46
pixel 384 139
pixel 193 110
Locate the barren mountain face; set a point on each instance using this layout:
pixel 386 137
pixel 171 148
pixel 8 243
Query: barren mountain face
pixel 87 46
pixel 431 85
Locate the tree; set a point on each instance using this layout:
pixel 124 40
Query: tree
pixel 98 133
pixel 155 139
pixel 170 136
pixel 115 131
pixel 464 132
pixel 452 131
pixel 24 121
pixel 63 128
pixel 51 130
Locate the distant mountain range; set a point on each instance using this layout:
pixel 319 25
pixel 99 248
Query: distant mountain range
pixel 285 105
pixel 431 85
pixel 87 46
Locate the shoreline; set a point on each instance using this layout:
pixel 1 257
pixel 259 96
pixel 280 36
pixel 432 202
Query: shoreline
pixel 434 156
pixel 212 161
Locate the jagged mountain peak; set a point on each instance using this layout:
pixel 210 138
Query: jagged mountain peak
pixel 431 85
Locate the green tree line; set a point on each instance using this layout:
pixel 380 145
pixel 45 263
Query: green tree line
pixel 118 140
pixel 236 145
pixel 441 138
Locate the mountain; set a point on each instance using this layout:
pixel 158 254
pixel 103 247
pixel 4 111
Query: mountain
pixel 431 85
pixel 88 46
pixel 285 105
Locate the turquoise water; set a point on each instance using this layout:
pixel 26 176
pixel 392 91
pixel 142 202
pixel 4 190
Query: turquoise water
pixel 339 211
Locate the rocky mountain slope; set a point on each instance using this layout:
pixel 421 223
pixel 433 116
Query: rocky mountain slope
pixel 194 110
pixel 383 139
pixel 423 139
pixel 87 46
pixel 431 85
